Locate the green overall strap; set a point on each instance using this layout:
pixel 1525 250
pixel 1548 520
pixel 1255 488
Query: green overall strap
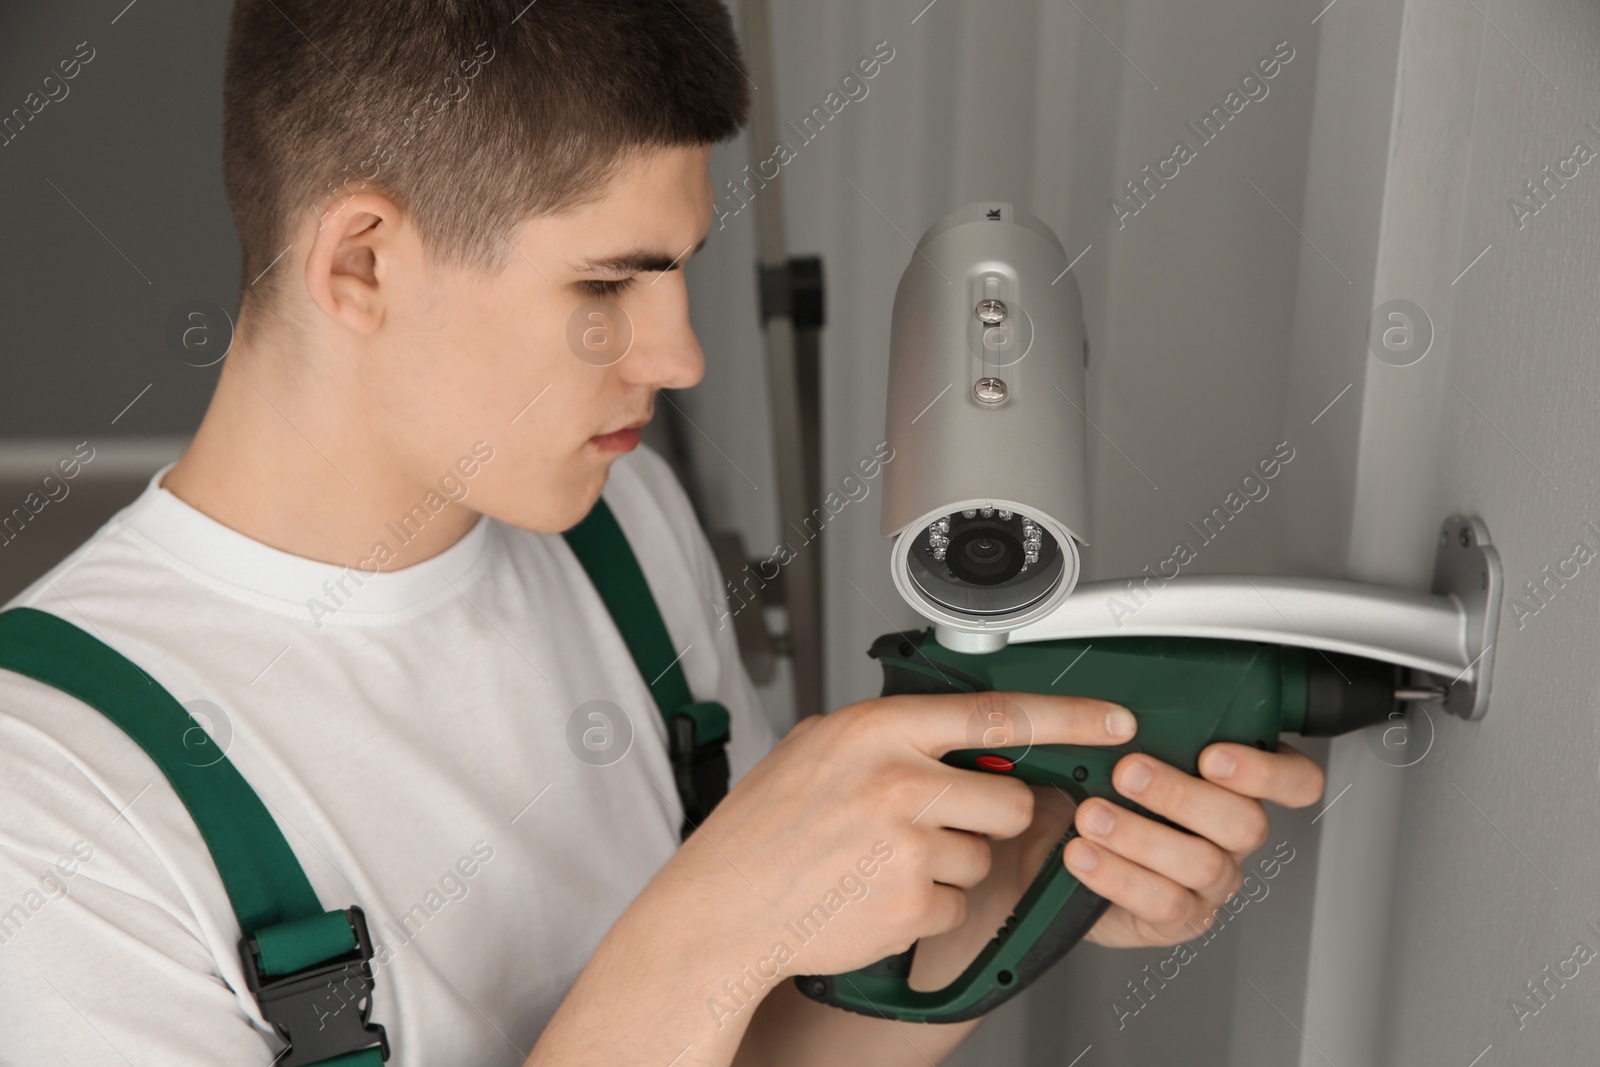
pixel 292 948
pixel 698 730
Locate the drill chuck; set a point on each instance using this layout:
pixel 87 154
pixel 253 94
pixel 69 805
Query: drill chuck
pixel 1345 693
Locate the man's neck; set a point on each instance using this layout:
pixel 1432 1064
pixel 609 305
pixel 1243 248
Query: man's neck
pixel 276 461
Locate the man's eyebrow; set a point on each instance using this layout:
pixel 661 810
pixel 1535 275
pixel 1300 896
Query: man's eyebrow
pixel 638 261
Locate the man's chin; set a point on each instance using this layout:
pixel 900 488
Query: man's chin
pixel 552 509
pixel 581 501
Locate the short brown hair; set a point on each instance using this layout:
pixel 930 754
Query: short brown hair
pixel 475 115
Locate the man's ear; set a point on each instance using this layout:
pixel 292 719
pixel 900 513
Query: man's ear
pixel 353 253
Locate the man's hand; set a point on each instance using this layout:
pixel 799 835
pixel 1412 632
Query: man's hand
pixel 847 843
pixel 1164 884
pixel 793 834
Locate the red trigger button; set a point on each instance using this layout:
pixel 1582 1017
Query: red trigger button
pixel 995 763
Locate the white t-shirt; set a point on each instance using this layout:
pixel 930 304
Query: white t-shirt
pixel 415 745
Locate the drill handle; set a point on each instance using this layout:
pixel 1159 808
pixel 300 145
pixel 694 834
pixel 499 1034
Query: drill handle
pixel 1053 916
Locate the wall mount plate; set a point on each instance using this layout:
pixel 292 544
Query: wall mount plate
pixel 1467 570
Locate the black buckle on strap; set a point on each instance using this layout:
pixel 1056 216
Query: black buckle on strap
pixel 700 771
pixel 322 1010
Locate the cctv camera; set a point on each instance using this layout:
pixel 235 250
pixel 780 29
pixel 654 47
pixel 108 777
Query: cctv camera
pixel 986 498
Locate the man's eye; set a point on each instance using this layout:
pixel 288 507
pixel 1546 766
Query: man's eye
pixel 607 287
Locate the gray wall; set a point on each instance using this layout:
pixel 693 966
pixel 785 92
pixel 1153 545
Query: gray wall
pixel 114 216
pixel 135 223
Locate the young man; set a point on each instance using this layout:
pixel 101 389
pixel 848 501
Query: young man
pixel 355 577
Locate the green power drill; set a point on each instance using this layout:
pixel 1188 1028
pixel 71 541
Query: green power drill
pixel 1186 693
pixel 985 496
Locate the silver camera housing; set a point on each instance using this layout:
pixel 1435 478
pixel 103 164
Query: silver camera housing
pixel 986 367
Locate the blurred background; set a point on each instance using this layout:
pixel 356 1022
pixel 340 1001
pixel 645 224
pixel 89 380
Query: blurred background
pixel 1450 870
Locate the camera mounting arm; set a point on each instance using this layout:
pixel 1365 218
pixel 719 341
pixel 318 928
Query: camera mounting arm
pixel 1448 633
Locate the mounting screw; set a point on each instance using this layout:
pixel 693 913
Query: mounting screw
pixel 989 390
pixel 1466 537
pixel 992 312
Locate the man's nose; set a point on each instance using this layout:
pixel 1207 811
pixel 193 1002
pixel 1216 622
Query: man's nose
pixel 666 353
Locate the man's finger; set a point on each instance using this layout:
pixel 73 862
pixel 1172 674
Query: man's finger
pixel 977 802
pixel 1235 822
pixel 1187 859
pixel 940 723
pixel 1154 899
pixel 959 858
pixel 1287 777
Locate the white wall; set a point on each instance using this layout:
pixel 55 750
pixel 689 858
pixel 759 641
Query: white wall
pixel 1498 872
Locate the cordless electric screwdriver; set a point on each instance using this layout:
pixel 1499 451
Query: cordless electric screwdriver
pixel 986 502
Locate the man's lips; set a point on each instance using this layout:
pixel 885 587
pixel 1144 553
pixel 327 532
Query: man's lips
pixel 630 426
pixel 623 440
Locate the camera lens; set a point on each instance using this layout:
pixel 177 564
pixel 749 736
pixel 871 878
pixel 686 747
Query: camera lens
pixel 985 554
pixel 983 550
pixel 980 564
